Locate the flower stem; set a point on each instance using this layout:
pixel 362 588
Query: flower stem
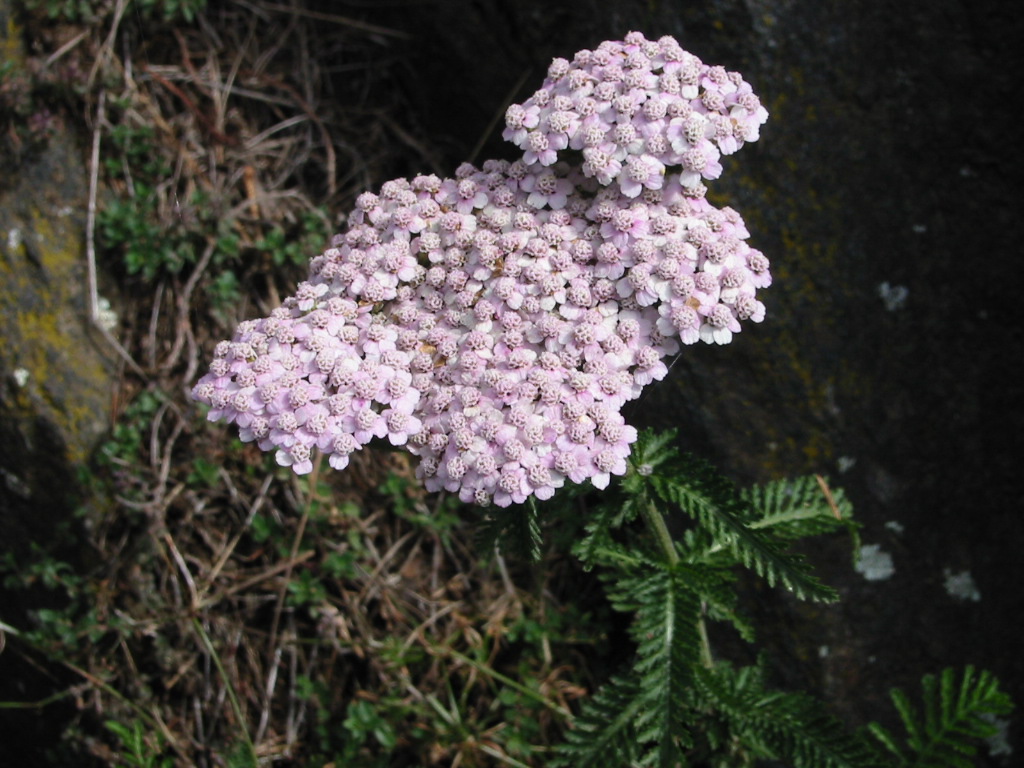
pixel 705 644
pixel 656 523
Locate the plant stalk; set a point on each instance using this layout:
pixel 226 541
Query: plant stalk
pixel 656 523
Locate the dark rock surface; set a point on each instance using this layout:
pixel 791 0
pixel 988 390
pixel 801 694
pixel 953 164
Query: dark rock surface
pixel 885 191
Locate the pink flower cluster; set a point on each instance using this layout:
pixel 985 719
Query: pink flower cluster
pixel 495 324
pixel 634 109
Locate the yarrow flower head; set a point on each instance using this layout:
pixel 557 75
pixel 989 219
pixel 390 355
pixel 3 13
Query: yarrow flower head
pixel 494 324
pixel 636 108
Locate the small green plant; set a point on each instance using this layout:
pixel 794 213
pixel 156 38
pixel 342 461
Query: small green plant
pixel 124 445
pixel 151 247
pixel 306 589
pixel 153 242
pixel 133 223
pixel 140 747
pixel 204 472
pixel 132 152
pixel 173 10
pixel 89 11
pixel 66 617
pixel 957 712
pixel 291 246
pixel 407 500
pixel 364 723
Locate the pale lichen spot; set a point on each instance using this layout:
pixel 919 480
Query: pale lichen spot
pixel 845 463
pixel 998 744
pixel 961 586
pixel 106 317
pixel 874 564
pixel 893 296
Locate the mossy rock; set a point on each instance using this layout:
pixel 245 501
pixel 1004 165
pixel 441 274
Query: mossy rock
pixel 55 379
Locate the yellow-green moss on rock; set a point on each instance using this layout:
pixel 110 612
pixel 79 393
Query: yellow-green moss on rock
pixel 43 311
pixel 55 378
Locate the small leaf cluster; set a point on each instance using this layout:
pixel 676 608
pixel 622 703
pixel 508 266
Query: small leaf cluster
pixel 25 119
pixel 956 713
pixel 90 11
pixel 137 749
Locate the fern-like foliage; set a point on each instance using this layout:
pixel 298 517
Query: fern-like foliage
pixel 691 485
pixel 955 715
pixel 515 529
pixel 666 631
pixel 651 703
pixel 785 726
pixel 598 542
pixel 672 705
pixel 604 733
pixel 798 508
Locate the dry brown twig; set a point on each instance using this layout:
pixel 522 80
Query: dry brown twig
pixel 95 314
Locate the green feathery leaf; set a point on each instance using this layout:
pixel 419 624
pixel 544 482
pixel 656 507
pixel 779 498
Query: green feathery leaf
pixel 652 716
pixel 603 734
pixel 514 529
pixel 651 451
pixel 795 509
pixel 955 717
pixel 597 541
pixel 791 727
pixel 668 651
pixel 717 588
pixel 694 487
